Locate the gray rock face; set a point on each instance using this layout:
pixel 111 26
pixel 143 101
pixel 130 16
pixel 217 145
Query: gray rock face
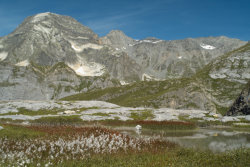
pixel 50 56
pixel 34 83
pixel 45 39
pixel 234 66
pixel 171 59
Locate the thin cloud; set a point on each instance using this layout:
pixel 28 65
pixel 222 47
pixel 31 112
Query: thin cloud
pixel 114 21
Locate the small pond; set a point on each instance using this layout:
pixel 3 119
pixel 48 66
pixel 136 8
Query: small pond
pixel 216 140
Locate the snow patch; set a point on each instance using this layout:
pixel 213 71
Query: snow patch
pixel 180 57
pixel 148 41
pixel 23 63
pixel 3 55
pixel 218 75
pixel 157 41
pixel 117 49
pixel 80 48
pixel 146 77
pixel 79 37
pixel 123 82
pixel 40 17
pixel 205 46
pixel 88 69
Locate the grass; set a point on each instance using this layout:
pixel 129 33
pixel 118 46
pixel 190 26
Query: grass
pixel 59 120
pixel 142 115
pixel 101 114
pixel 54 111
pixel 7 84
pixel 174 158
pixel 24 111
pixel 18 132
pixel 8 120
pixel 156 153
pixel 242 125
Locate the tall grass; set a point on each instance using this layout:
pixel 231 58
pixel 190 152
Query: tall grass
pixel 63 144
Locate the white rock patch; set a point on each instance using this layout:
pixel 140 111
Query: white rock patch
pixel 40 17
pixel 146 77
pixel 42 29
pixel 124 83
pixel 205 46
pixel 88 69
pixel 69 112
pixel 138 127
pixel 157 41
pixel 80 48
pixel 1 46
pixel 23 63
pixel 215 76
pixel 3 55
pixel 228 119
pixel 79 37
pixel 1 127
pixel 248 118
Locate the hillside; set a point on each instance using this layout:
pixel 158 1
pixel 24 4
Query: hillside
pixel 205 90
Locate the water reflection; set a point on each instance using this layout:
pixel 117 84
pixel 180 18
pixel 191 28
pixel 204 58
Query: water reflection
pixel 215 140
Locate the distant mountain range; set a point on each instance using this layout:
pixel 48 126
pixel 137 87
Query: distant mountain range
pixel 50 56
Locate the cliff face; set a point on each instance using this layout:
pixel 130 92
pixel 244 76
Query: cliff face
pixel 241 105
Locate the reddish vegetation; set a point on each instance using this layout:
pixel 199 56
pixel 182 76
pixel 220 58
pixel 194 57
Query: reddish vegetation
pixel 70 131
pixel 177 123
pixel 171 125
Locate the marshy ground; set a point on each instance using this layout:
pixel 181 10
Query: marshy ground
pixel 103 134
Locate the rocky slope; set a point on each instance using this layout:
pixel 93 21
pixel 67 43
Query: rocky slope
pixel 50 56
pixel 171 59
pixel 203 90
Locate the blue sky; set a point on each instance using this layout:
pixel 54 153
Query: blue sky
pixel 164 19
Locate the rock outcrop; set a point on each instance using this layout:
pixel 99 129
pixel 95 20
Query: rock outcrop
pixel 241 105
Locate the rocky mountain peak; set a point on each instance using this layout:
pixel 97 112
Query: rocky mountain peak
pixel 117 39
pixel 51 23
pixel 47 39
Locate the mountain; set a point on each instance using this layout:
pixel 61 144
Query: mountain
pixel 55 56
pixel 204 90
pixel 171 59
pixel 50 56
